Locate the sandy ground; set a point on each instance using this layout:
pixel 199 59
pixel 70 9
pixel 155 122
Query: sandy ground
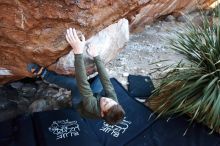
pixel 145 52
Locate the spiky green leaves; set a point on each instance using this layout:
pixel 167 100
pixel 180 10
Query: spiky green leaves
pixel 198 92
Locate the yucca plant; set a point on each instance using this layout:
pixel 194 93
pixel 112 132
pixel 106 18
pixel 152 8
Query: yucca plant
pixel 194 88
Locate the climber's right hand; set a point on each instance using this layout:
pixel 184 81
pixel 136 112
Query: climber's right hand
pixel 74 40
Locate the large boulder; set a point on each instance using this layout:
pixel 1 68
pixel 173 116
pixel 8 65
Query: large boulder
pixel 34 30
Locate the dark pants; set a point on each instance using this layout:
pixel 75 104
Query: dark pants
pixel 70 84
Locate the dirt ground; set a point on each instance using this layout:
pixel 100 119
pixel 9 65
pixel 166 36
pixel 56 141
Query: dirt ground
pixel 147 53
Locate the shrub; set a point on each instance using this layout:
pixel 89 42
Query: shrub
pixel 194 88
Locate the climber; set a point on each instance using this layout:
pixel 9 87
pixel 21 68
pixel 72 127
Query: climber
pixel 92 100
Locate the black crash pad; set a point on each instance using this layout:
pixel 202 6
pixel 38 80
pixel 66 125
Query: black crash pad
pixel 67 128
pixel 17 132
pixel 58 128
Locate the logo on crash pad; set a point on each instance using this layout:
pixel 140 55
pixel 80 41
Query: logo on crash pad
pixel 64 128
pixel 116 130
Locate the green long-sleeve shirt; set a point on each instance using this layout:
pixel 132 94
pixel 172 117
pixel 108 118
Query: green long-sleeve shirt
pixel 90 106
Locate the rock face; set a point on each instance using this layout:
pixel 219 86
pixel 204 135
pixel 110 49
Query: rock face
pixel 33 31
pixel 107 42
pixel 158 8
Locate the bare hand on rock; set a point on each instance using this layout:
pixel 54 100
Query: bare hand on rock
pixel 74 40
pixel 92 50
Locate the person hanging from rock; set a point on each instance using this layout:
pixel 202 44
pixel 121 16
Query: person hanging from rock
pixel 92 100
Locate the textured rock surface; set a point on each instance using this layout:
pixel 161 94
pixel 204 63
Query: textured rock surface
pixel 33 31
pixel 108 42
pixel 158 8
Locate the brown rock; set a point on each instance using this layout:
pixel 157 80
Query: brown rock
pixel 33 30
pixel 156 8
